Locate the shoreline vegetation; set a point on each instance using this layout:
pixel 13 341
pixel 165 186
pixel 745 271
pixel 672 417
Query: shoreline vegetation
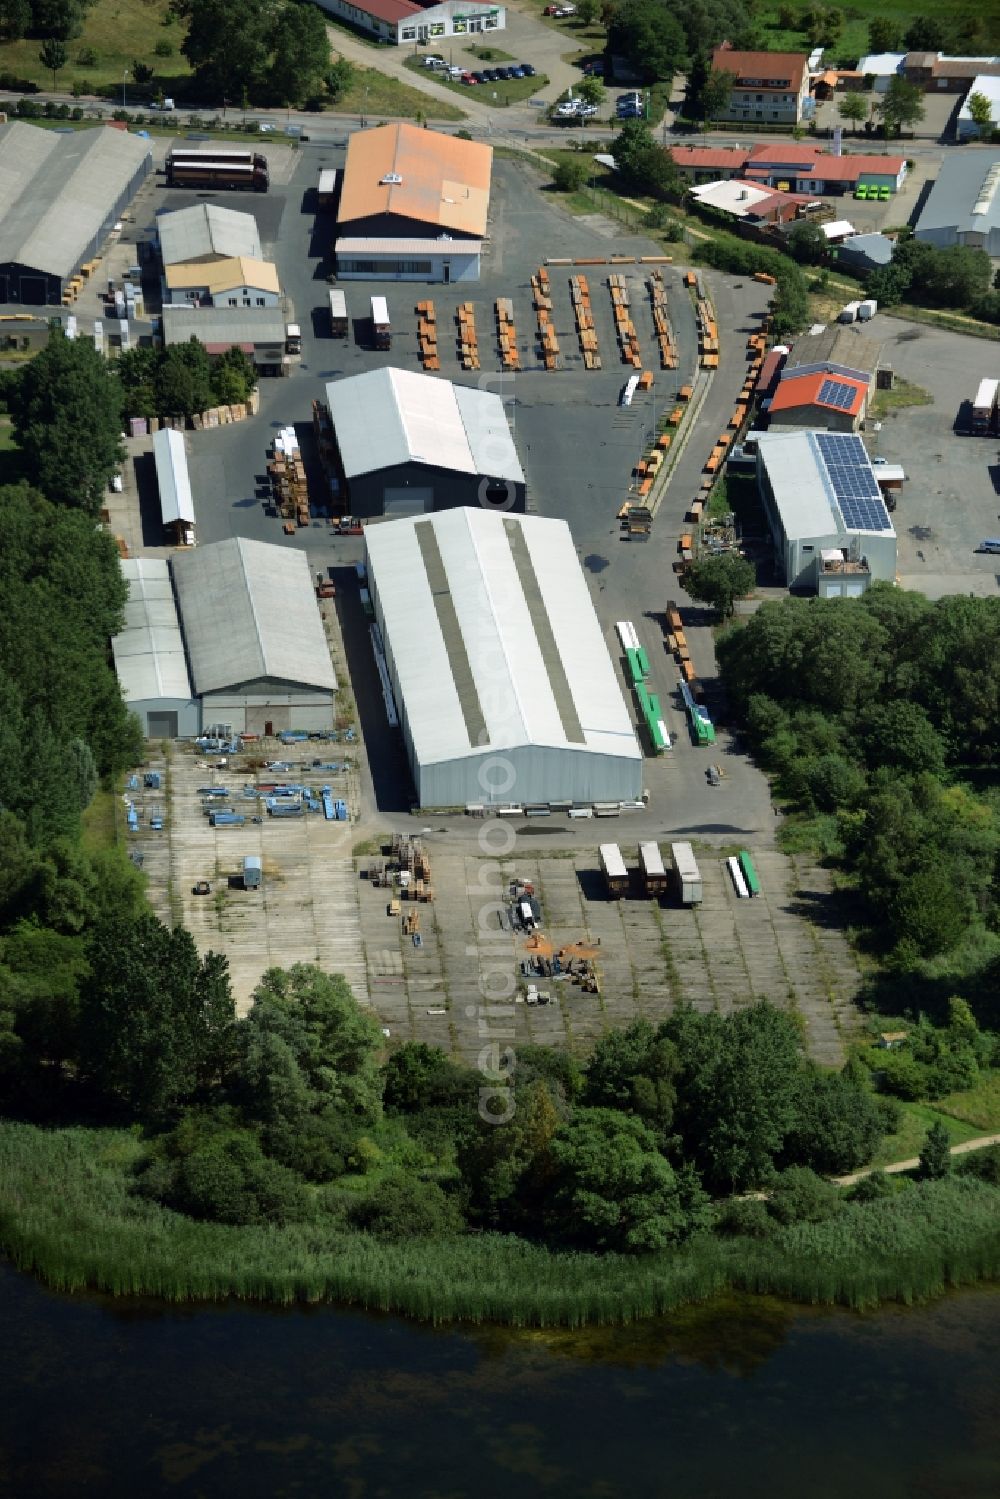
pixel 69 1216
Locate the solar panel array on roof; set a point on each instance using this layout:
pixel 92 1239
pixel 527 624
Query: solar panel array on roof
pixel 854 484
pixel 836 393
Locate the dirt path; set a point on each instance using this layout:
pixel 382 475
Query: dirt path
pixel 978 1143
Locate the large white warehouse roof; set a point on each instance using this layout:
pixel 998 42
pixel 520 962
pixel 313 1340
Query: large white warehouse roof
pixel 493 636
pixel 823 483
pixel 389 417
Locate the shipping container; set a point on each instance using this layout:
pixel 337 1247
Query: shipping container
pixel 226 819
pixel 687 875
pixel 253 872
pixel 613 868
pixel 654 875
pixel 326 194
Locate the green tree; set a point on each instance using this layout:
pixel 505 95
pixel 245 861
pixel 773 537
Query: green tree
pixel 853 106
pixel 883 34
pixel 807 242
pixel 81 771
pixel 300 53
pixel 234 376
pixel 156 1021
pixel 66 410
pixel 837 1123
pixel 586 12
pixel 339 77
pixel 142 72
pixel 613 1190
pixel 210 1168
pixel 228 45
pixel 935 1157
pixel 888 284
pixel 737 1092
pixel 720 581
pixel 715 94
pixel 506 1170
pixel 184 380
pixel 981 110
pixel 417 1076
pixel 401 1208
pixel 925 34
pixel 61 19
pixel 798 1195
pixel 15 19
pixel 649 37
pixel 570 175
pixel 902 105
pixel 53 56
pixel 643 166
pixel 592 91
pixel 634 1070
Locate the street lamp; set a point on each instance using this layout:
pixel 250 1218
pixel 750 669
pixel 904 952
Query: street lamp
pixel 364 107
pixel 124 81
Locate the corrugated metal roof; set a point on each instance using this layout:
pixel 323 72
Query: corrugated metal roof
pixel 249 612
pixel 170 457
pixel 221 275
pixel 223 325
pixel 416 174
pixel 149 651
pixel 206 231
pixel 536 658
pixel 56 191
pixel 845 346
pixel 963 197
pixel 388 417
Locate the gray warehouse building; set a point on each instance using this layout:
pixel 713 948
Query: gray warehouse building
pixel 501 678
pixel 149 654
pixel 206 233
pixel 60 195
pixel 410 444
pixel 229 634
pixel 828 521
pixel 255 641
pixel 963 207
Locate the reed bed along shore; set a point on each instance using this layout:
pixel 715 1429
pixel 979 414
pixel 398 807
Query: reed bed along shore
pixel 67 1214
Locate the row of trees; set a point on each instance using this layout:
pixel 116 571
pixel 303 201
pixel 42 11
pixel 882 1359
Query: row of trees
pixel 263 51
pixel 183 379
pixel 869 712
pixel 57 19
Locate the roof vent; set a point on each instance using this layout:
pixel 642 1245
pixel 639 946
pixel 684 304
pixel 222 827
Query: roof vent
pixel 391 179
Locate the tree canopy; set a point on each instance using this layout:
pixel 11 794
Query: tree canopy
pixel 66 411
pixel 270 51
pixel 720 581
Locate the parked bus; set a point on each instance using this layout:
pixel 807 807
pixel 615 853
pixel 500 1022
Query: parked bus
pixel 749 872
pixel 736 875
pixel 218 168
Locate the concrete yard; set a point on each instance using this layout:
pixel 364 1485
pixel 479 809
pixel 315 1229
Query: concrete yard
pixel 721 956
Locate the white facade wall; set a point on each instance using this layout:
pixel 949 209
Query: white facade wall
pixel 452 18
pixel 188 711
pixel 432 264
pixel 250 712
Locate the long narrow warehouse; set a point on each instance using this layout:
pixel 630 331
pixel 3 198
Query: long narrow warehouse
pixel 503 685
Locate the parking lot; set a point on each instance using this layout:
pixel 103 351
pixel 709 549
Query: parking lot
pixel 952 498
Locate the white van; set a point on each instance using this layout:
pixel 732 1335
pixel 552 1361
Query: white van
pixel 991 544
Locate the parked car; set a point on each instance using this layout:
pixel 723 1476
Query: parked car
pixel 469 78
pixel 712 776
pixel 587 111
pixel 433 61
pixel 265 127
pixel 479 77
pixel 527 69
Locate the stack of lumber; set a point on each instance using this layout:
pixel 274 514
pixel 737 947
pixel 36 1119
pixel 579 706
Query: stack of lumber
pixel 628 339
pixel 583 315
pixel 507 334
pixel 468 341
pixel 542 299
pixel 661 321
pixel 427 335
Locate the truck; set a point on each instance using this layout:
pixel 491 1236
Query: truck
pixel 253 872
pixel 338 312
pixel 226 819
pixel 218 168
pixel 293 338
pixel 867 309
pixel 326 193
pixel 984 408
pixel 687 875
pixel 613 869
pixel 849 313
pixel 366 604
pixel 381 332
pixel 654 875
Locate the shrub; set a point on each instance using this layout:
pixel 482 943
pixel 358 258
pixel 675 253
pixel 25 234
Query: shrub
pixel 164 48
pixel 569 176
pixel 402 1208
pixel 87 58
pixel 800 1196
pixel 745 1216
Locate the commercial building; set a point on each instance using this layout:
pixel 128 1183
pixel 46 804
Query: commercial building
pixel 206 233
pixel 791 167
pixel 989 87
pixel 843 350
pixel 399 21
pixel 935 72
pixel 410 443
pixel 255 642
pixel 149 654
pixel 742 200
pixel 769 87
pixel 234 282
pixel 258 331
pixel 60 196
pixel 819 399
pixel 413 206
pixel 865 252
pixel 963 206
pixel 502 682
pixel 709 163
pixel 828 521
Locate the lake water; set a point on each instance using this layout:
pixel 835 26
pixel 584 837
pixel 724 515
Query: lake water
pixel 743 1398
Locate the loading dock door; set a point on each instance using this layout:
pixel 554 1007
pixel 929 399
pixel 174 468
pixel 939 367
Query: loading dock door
pixel 161 725
pixel 407 501
pixel 33 291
